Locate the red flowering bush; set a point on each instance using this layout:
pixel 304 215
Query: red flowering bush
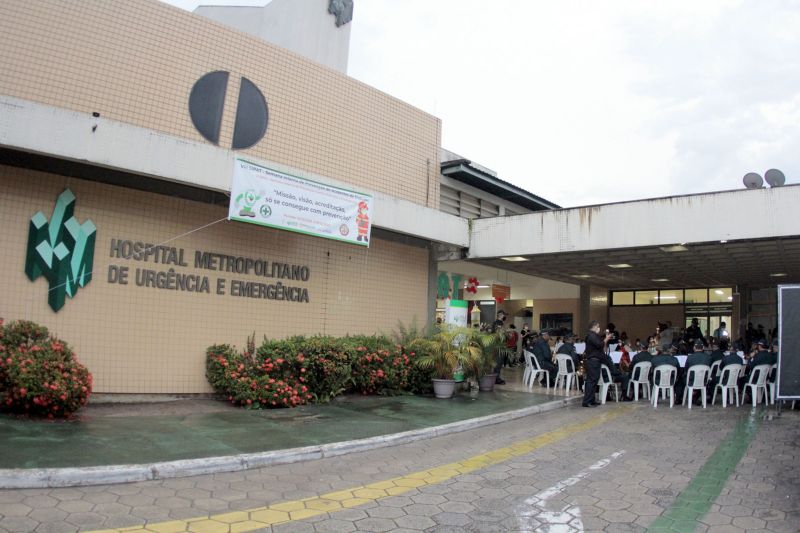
pixel 291 372
pixel 380 371
pixel 39 374
pixel 256 380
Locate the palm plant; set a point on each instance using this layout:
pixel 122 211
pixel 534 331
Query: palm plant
pixel 446 350
pixel 488 345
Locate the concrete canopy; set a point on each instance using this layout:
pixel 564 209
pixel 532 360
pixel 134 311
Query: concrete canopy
pixel 742 237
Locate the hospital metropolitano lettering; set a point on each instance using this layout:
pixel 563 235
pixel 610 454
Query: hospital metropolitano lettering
pixel 172 279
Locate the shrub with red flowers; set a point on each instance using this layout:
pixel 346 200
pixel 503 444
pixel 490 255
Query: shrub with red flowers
pixel 39 374
pixel 380 370
pixel 298 370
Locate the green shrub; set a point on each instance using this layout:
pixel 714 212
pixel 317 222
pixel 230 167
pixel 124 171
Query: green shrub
pixel 39 374
pixel 419 377
pixel 294 371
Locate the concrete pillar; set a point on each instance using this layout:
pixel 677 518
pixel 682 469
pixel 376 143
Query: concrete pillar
pixel 433 275
pixel 582 320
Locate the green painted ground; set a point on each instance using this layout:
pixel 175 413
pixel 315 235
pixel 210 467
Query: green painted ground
pixel 695 500
pixel 108 440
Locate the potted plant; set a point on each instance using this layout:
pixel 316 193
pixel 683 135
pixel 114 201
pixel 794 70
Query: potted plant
pixel 488 346
pixel 447 349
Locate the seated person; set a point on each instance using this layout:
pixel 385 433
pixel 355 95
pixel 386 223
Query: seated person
pixel 718 349
pixel 697 357
pixel 641 356
pixel 659 359
pixel 617 376
pixel 512 337
pixel 569 348
pixel 625 358
pixel 541 351
pixel 762 356
pixel 731 358
pixel 774 360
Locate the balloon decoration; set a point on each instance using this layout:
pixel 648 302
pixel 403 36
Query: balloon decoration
pixel 472 285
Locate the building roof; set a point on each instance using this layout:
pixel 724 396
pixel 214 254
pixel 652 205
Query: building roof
pixel 475 175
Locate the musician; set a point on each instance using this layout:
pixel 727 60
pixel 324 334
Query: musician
pixel 595 348
pixel 542 353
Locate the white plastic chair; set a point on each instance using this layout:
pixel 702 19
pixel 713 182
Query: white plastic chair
pixel 771 383
pixel 697 376
pixel 528 367
pixel 757 383
pixel 566 372
pixel 639 377
pixel 664 383
pixel 742 374
pixel 535 371
pixel 605 382
pixel 728 384
pixel 714 369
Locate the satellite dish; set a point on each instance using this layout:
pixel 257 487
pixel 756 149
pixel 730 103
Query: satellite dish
pixel 753 181
pixel 775 177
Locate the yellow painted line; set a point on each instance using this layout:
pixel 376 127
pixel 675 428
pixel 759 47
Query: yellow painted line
pixel 280 513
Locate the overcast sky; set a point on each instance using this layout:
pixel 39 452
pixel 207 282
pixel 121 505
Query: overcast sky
pixel 594 101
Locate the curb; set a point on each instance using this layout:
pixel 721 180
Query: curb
pixel 23 478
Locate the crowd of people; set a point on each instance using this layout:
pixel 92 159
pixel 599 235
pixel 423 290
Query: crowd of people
pixel 756 347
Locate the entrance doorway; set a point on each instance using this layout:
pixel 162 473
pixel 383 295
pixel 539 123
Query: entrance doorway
pixel 709 323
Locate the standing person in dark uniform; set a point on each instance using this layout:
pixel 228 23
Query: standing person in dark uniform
pixel 694 333
pixel 595 348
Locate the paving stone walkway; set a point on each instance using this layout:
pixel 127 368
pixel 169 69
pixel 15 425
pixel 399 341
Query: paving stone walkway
pixel 621 467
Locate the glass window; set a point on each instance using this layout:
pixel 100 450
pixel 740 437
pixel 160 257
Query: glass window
pixel 646 298
pixel 696 296
pixel 622 298
pixel 674 296
pixel 723 294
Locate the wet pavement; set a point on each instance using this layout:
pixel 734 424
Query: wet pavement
pixel 123 434
pixel 621 467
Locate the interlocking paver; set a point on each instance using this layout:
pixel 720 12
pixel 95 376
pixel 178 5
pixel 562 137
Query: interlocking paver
pixel 386 512
pixel 418 523
pixel 628 495
pixel 376 525
pixel 56 527
pixel 294 527
pixel 335 525
pixel 85 519
pixel 457 507
pixel 14 509
pixel 48 514
pixel 13 524
pixel 749 522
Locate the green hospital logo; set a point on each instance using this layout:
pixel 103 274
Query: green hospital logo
pixel 61 250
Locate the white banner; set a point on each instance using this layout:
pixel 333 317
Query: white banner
pixel 266 197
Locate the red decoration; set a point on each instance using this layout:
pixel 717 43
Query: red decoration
pixel 472 285
pixel 499 299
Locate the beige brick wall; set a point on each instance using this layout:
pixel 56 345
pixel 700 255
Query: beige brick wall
pixel 136 61
pixel 146 340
